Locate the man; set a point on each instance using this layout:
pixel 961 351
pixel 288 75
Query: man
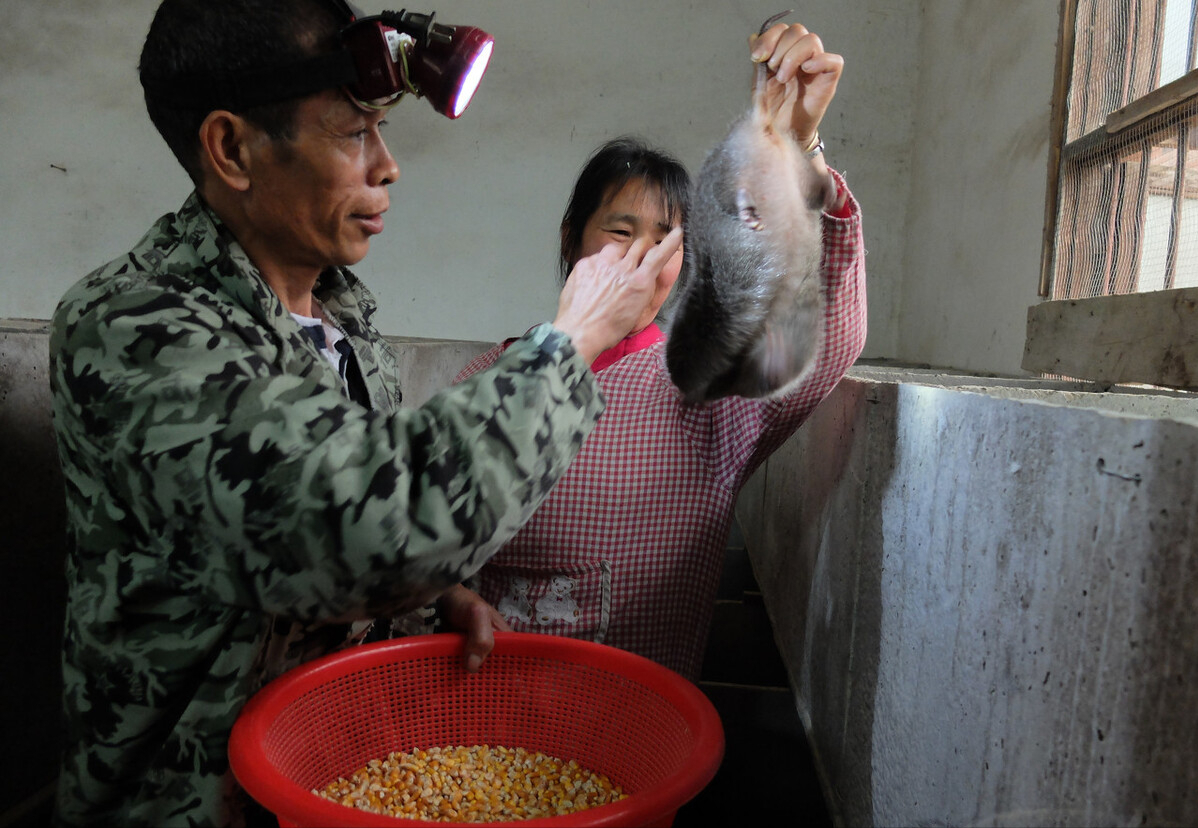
pixel 243 491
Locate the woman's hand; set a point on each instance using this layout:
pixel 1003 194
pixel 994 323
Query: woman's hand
pixel 802 78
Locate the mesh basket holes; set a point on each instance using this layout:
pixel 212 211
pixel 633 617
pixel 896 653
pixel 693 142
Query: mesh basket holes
pixel 605 721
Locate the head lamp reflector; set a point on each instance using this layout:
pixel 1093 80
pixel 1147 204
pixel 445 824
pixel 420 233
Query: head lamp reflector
pixel 399 52
pixel 448 73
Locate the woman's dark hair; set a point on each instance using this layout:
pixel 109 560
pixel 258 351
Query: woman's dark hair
pixel 605 173
pixel 202 39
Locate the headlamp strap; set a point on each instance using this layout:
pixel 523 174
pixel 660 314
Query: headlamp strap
pixel 263 86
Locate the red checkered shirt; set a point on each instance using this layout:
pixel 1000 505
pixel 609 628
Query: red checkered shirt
pixel 628 548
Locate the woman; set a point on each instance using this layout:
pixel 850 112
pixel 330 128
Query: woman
pixel 627 550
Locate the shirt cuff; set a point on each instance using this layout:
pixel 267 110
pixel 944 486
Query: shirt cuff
pixel 849 206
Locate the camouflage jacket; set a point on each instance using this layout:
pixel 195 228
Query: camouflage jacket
pixel 231 510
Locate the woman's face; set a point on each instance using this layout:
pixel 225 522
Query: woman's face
pixel 636 210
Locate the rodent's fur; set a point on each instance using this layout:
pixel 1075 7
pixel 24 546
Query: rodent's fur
pixel 750 322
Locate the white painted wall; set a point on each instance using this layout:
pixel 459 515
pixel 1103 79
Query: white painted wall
pixel 953 205
pixel 971 257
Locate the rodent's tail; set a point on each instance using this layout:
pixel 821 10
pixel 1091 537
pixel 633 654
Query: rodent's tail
pixel 762 75
pixel 772 20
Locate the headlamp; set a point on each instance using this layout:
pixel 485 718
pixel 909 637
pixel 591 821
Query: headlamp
pixel 399 52
pixel 385 56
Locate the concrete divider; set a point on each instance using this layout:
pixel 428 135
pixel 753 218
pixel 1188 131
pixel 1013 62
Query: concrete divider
pixel 985 593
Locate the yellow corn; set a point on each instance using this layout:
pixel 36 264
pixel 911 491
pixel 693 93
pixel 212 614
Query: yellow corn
pixel 472 784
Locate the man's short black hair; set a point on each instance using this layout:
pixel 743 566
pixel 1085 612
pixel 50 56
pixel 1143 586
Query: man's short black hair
pixel 609 168
pixel 199 39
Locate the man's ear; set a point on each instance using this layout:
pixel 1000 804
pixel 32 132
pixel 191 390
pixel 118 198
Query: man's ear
pixel 225 149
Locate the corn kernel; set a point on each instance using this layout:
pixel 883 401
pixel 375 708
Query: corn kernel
pixel 472 784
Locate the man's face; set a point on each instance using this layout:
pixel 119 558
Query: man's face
pixel 317 199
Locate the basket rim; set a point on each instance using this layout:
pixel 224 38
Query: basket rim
pixel 291 802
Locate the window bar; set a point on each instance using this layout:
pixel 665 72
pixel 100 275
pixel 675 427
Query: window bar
pixel 1132 200
pixel 1105 284
pixel 1193 43
pixel 1070 242
pixel 1108 264
pixel 1179 191
pixel 1129 55
pixel 1066 37
pixel 1136 218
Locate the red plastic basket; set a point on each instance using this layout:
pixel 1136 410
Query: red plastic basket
pixel 647 728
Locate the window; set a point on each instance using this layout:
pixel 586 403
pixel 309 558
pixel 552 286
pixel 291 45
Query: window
pixel 1122 214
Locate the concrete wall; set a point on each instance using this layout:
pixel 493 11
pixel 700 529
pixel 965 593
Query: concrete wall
pixel 32 591
pixel 940 124
pixel 986 600
pixel 979 171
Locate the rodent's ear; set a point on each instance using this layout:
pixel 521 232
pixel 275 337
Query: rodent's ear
pixel 746 209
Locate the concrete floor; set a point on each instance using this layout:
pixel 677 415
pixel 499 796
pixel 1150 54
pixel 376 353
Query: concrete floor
pixel 767 776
